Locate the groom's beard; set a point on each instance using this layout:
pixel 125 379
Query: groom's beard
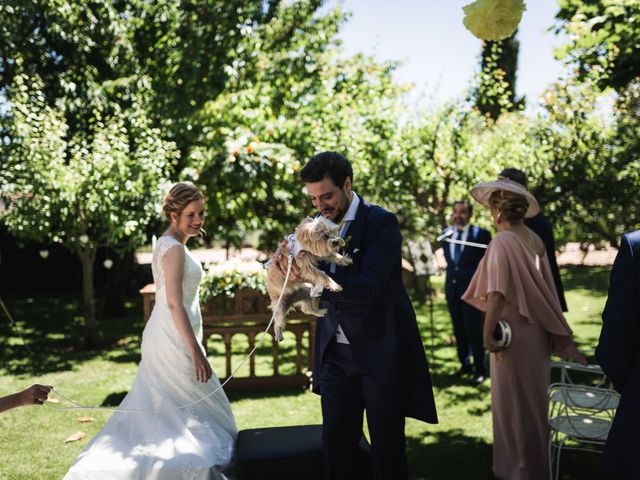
pixel 338 217
pixel 339 213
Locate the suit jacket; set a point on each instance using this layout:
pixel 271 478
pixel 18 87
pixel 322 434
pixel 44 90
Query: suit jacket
pixel 376 315
pixel 618 353
pixel 459 274
pixel 541 225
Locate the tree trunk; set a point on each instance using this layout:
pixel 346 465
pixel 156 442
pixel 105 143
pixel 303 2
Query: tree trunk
pixel 90 336
pixel 118 281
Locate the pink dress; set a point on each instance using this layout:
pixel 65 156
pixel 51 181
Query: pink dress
pixel 520 374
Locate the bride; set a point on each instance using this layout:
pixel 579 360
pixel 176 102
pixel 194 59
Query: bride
pixel 176 436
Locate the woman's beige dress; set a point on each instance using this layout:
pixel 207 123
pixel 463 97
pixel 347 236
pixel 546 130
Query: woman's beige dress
pixel 520 374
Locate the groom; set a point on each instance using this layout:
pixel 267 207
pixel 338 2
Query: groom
pixel 368 354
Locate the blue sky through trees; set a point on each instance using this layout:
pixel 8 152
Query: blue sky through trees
pixel 439 54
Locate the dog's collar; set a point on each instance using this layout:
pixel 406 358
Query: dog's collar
pixel 293 246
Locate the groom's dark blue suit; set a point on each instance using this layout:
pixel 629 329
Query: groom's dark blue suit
pixel 384 368
pixel 618 353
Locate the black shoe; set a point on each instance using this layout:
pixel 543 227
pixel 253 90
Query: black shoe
pixel 478 379
pixel 464 371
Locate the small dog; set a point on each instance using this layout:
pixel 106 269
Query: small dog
pixel 315 239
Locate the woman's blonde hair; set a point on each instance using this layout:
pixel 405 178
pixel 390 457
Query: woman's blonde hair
pixel 179 196
pixel 511 206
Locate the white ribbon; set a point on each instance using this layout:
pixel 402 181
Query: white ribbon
pixel 464 242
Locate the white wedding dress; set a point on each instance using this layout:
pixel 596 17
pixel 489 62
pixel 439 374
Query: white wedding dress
pixel 165 442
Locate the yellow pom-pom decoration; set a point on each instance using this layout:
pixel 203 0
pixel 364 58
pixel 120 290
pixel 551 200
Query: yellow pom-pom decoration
pixel 493 19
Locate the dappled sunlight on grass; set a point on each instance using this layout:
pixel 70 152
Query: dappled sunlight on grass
pixel 459 447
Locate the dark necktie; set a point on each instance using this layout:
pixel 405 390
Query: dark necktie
pixel 457 248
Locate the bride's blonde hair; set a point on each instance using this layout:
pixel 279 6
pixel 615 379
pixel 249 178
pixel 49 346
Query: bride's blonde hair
pixel 179 196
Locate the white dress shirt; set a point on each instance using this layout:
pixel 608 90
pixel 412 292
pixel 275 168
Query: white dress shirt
pixel 465 235
pixel 349 217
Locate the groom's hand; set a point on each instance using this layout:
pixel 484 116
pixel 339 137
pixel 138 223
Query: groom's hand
pixel 282 263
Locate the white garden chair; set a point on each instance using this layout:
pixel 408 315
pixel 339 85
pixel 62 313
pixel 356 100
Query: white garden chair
pixel 575 373
pixel 580 417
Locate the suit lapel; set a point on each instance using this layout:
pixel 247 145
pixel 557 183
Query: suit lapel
pixel 446 246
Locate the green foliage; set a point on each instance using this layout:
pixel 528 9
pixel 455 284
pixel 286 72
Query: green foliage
pixel 250 185
pixel 439 158
pixel 495 92
pixel 186 48
pixel 433 451
pixel 602 38
pixel 298 101
pixel 89 188
pixel 595 161
pixel 193 50
pixel 87 185
pixel 590 182
pixel 243 93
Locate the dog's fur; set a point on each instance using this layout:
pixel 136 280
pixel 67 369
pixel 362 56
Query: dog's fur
pixel 317 239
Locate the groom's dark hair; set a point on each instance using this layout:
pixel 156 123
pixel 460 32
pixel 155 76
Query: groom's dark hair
pixel 327 164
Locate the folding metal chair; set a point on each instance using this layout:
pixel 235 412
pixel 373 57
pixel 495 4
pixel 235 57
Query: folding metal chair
pixel 577 374
pixel 581 415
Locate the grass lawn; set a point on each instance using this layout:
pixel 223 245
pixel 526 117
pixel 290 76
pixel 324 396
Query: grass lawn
pixel 32 439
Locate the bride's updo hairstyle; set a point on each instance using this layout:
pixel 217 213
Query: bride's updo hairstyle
pixel 179 196
pixel 511 206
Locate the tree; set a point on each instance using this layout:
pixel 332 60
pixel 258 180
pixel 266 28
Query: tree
pixel 589 181
pixel 602 38
pixel 91 186
pixel 97 62
pixel 601 46
pixel 496 90
pixel 188 49
pixel 443 155
pixel 301 99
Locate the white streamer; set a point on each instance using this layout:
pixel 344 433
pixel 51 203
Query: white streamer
pixel 470 244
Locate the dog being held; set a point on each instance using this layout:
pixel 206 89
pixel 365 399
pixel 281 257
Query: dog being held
pixel 315 239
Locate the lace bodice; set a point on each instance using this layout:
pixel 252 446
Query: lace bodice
pixel 192 276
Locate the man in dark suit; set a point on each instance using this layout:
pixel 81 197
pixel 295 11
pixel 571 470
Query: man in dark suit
pixel 462 262
pixel 368 353
pixel 618 353
pixel 541 225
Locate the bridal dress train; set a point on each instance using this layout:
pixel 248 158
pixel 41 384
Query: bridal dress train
pixel 165 442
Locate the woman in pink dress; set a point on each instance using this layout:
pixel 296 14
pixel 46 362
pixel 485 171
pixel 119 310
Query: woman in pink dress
pixel 514 283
